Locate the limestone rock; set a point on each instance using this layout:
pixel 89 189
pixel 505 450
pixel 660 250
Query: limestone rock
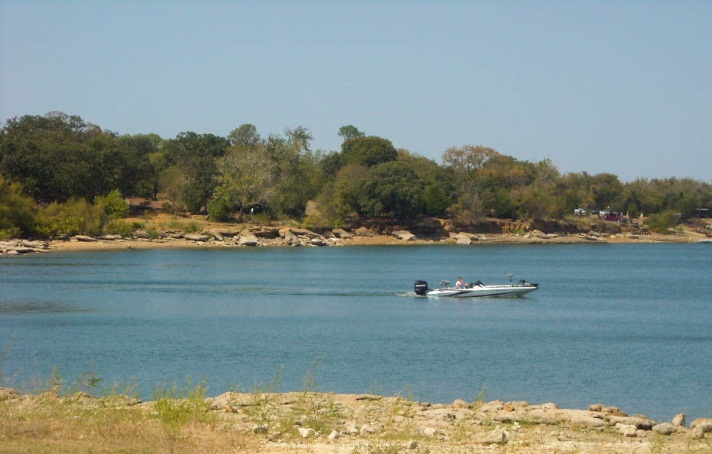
pixel 432 431
pixel 227 232
pixel 248 240
pixel 700 427
pixel 140 234
pixel 664 428
pixel 497 436
pixel 110 237
pixel 702 422
pixel 362 231
pixel 196 237
pixel 640 422
pixel 84 238
pixel 343 234
pixel 260 429
pixel 629 430
pixel 319 241
pixel 269 233
pixel 306 432
pixel 35 244
pixel 679 420
pixel 465 238
pixel 291 239
pixel 301 233
pixel 580 418
pixel 19 250
pixel 403 235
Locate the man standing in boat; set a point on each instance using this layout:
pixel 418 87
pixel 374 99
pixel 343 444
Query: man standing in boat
pixel 460 284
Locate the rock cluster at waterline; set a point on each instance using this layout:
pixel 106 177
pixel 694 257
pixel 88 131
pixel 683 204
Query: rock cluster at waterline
pixel 19 247
pixel 258 236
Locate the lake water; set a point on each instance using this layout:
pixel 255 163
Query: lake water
pixel 624 325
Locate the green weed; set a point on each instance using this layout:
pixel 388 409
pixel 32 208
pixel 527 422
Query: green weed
pixel 177 407
pixel 481 396
pixel 262 407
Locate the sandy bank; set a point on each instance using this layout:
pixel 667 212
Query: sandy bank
pixel 372 240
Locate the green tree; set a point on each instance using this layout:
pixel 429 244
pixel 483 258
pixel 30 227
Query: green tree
pixel 606 191
pixel 137 172
pixel 368 151
pixel 191 173
pixel 294 166
pixel 468 159
pixel 437 180
pixel 280 174
pixel 339 198
pixel 436 200
pixel 350 132
pixel 473 195
pixel 246 179
pixel 245 134
pixel 391 189
pixel 55 156
pixel 539 199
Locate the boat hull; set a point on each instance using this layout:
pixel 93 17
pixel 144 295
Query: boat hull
pixel 483 291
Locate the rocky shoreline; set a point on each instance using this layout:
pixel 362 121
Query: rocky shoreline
pixel 261 236
pixel 348 423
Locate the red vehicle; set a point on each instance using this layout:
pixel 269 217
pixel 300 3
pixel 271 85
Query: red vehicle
pixel 616 217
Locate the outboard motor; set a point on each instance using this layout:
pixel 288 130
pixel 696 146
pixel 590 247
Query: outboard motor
pixel 421 288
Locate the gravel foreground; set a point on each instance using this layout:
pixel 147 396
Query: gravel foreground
pixel 321 423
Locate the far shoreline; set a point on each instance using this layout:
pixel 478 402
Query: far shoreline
pixel 72 245
pixel 211 236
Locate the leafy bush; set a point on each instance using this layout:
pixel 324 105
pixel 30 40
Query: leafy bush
pixel 663 222
pixel 17 217
pixel 74 217
pixel 113 205
pixel 219 209
pixel 193 227
pixel 118 227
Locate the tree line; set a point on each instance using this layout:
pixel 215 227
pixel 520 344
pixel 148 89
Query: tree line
pixel 56 170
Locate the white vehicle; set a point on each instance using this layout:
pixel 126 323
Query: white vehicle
pixel 475 290
pixel 580 212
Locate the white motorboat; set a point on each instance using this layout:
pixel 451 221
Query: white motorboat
pixel 476 289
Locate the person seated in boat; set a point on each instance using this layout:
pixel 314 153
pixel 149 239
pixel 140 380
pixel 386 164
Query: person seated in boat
pixel 460 284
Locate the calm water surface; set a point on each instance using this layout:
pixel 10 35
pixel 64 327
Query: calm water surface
pixel 625 325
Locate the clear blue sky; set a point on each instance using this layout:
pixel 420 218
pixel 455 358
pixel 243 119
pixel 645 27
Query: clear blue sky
pixel 623 87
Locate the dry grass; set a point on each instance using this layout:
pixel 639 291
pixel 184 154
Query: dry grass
pixel 49 424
